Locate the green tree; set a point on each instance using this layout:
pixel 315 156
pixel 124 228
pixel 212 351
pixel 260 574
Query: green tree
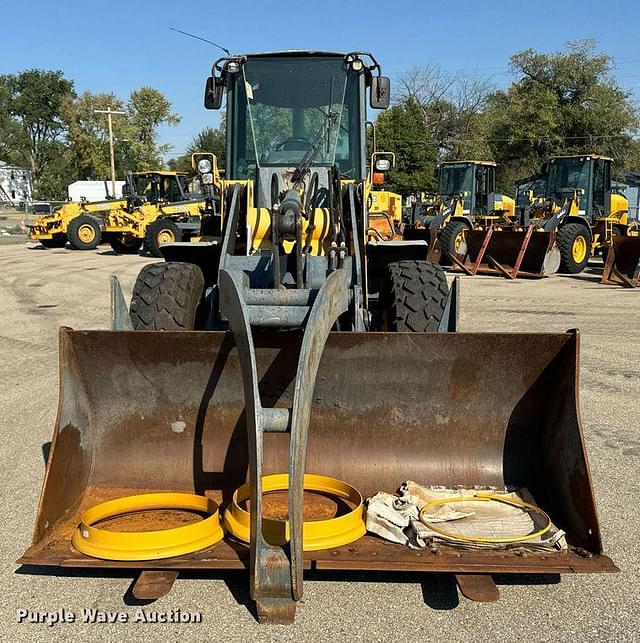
pixel 207 140
pixel 147 109
pixel 32 123
pixel 560 103
pixel 401 129
pixel 88 135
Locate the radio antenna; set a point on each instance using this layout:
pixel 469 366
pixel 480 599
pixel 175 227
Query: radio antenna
pixel 185 33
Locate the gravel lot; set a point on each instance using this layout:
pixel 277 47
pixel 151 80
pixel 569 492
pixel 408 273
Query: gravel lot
pixel 43 289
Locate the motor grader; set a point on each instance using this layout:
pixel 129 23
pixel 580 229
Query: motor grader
pixel 466 200
pixel 266 392
pixel 154 209
pixel 578 215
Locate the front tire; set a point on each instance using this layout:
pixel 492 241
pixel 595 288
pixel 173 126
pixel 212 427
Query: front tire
pixel 125 244
pixel 452 240
pixel 84 233
pixel 413 297
pixel 167 296
pixel 159 232
pixel 57 241
pixel 574 243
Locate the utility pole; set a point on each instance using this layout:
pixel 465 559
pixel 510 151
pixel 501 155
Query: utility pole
pixel 110 112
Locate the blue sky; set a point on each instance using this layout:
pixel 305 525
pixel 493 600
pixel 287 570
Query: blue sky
pixel 119 45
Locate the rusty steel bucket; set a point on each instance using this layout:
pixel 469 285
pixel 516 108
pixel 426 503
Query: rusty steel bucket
pixel 164 411
pixel 510 253
pixel 622 265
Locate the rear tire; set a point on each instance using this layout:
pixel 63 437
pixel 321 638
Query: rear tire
pixel 125 244
pixel 84 233
pixel 413 297
pixel 158 232
pixel 450 240
pixel 58 241
pixel 167 296
pixel 574 243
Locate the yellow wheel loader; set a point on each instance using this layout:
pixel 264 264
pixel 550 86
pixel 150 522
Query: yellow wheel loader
pixel 156 208
pixel 577 217
pixel 466 200
pixel 159 210
pixel 250 353
pixel 78 222
pixel 384 207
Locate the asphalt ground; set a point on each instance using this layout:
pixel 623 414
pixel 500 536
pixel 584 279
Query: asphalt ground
pixel 41 290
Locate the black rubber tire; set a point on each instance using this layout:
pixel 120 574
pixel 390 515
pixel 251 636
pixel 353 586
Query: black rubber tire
pixel 167 296
pixel 413 297
pixel 567 235
pixel 74 228
pixel 151 244
pixel 125 244
pixel 58 241
pixel 448 236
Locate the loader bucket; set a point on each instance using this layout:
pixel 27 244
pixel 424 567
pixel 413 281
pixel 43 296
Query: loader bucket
pixel 622 265
pixel 430 236
pixel 510 253
pixel 163 411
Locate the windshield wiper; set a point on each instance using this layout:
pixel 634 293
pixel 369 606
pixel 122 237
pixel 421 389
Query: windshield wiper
pixel 305 164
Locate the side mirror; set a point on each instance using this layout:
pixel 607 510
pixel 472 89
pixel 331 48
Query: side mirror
pixel 213 92
pixel 380 92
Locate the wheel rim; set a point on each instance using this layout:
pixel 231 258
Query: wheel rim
pixel 166 236
pixel 457 242
pixel 579 249
pixel 86 233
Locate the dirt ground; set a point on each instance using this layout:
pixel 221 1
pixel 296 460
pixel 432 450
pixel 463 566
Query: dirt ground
pixel 42 289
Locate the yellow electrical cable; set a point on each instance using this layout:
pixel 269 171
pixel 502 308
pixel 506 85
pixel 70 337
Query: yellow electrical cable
pixel 485 498
pixel 148 545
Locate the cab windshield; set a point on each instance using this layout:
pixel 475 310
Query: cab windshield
pixel 457 179
pixel 287 110
pixel 158 187
pixel 568 174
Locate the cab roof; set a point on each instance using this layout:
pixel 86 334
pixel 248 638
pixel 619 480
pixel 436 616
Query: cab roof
pixel 294 53
pixel 580 156
pixel 490 163
pixel 161 173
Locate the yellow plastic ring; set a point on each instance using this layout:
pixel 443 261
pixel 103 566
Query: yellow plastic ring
pixel 485 498
pixel 316 534
pixel 148 545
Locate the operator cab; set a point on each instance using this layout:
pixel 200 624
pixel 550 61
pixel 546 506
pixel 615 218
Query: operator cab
pixel 587 176
pixel 296 115
pixel 473 180
pixel 154 187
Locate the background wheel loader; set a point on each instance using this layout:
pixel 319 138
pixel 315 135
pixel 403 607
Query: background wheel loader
pixel 160 209
pixel 384 207
pixel 78 222
pixel 156 208
pixel 290 378
pixel 578 216
pixel 466 200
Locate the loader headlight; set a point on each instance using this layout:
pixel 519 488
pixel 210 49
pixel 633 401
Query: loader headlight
pixel 207 179
pixel 204 166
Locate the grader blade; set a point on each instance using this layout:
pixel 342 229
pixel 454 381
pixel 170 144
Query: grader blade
pixel 165 411
pixel 528 253
pixel 622 266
